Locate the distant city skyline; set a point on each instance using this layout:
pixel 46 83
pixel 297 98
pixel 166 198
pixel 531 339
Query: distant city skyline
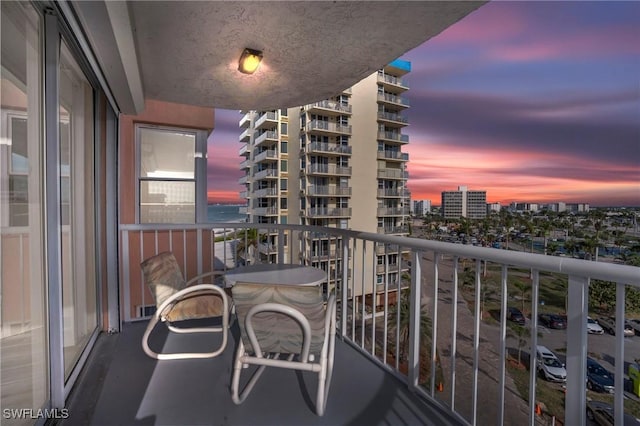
pixel 533 102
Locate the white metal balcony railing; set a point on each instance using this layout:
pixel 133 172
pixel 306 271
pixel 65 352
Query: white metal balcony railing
pixel 393 192
pixel 331 148
pixel 266 173
pixel 329 127
pixel 392 174
pixel 328 169
pixel 393 99
pixel 245 164
pixel 391 79
pixel 268 119
pixel 328 212
pixel 243 150
pixel 393 117
pixel 333 106
pixel 244 179
pixel 468 379
pixel 245 136
pixel 393 136
pixel 245 121
pixel 265 211
pixel 265 192
pixel 243 194
pixel 392 211
pixel 269 135
pixel 393 155
pixel 320 190
pixel 269 154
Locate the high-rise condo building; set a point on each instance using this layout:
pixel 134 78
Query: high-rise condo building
pixel 313 165
pixel 464 203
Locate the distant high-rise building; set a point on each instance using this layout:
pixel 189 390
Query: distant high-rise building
pixel 334 163
pixel 421 207
pixel 464 203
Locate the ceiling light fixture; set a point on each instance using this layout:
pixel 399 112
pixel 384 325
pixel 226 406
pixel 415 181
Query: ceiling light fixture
pixel 249 61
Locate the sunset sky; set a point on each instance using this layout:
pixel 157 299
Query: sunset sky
pixel 530 101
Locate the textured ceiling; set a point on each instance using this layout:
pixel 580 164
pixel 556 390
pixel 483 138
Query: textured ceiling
pixel 187 52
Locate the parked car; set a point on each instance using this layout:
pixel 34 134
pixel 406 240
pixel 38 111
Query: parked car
pixel 598 378
pixel 515 315
pixel 549 366
pixel 552 321
pixel 609 325
pixel 601 414
pixel 635 324
pixel 593 327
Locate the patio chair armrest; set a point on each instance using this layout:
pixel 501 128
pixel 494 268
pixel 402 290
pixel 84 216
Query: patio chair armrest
pixel 330 318
pixel 198 288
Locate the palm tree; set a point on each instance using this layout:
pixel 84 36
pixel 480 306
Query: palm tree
pixel 403 324
pixel 523 288
pixel 247 243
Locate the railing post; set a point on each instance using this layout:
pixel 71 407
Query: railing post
pixel 281 246
pixel 344 286
pixel 414 321
pixel 618 402
pixel 576 362
pixel 126 297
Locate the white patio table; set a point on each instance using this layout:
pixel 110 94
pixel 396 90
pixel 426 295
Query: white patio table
pixel 274 273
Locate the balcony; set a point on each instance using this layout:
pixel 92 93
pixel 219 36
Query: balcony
pixel 328 169
pixel 470 356
pixel 392 119
pixel 267 120
pixel 328 128
pixel 266 174
pixel 392 83
pixel 393 211
pixel 244 179
pixel 328 212
pixel 393 100
pixel 245 121
pixel 329 191
pixel 265 192
pixel 392 174
pixel 329 107
pixel 243 150
pixel 392 193
pixel 245 136
pixel 245 164
pixel 268 154
pixel 243 194
pixel 328 148
pixel 393 137
pixel 393 156
pixel 265 211
pixel 268 136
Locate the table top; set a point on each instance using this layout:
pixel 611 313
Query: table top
pixel 274 273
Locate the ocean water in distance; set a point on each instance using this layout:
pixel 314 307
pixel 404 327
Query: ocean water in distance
pixel 225 213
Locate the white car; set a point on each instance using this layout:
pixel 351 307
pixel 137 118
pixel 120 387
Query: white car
pixel 549 366
pixel 593 327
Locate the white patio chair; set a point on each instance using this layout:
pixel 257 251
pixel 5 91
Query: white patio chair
pixel 286 327
pixel 177 300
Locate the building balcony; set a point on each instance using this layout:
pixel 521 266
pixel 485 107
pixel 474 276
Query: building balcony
pixel 328 212
pixel 245 121
pixel 328 169
pixel 268 136
pixel 243 209
pixel 471 359
pixel 393 156
pixel 392 193
pixel 393 211
pixel 244 179
pixel 265 192
pixel 392 174
pixel 267 155
pixel 267 120
pixel 393 137
pixel 391 83
pixel 392 119
pixel 328 190
pixel 392 100
pixel 328 148
pixel 245 136
pixel 243 194
pixel 245 164
pixel 393 229
pixel 328 107
pixel 243 150
pixel 266 174
pixel 328 128
pixel 265 211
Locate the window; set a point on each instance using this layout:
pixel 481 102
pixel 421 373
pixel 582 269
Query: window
pixel 283 147
pixel 283 165
pixel 283 184
pixel 172 185
pixel 283 204
pixel 284 129
pixel 283 112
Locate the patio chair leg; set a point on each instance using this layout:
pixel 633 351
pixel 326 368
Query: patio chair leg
pixel 239 397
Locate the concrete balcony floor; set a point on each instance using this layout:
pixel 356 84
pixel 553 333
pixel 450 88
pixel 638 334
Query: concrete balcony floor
pixel 121 385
